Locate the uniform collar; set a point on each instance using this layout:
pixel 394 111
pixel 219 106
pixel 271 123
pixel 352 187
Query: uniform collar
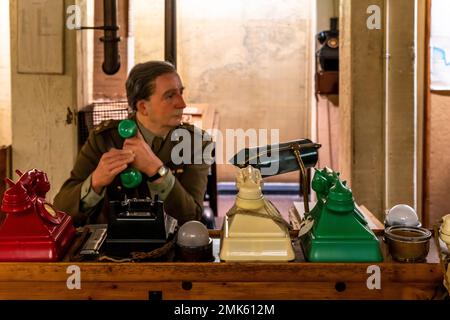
pixel 147 134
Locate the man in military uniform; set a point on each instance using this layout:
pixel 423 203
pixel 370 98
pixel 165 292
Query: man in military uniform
pixel 155 93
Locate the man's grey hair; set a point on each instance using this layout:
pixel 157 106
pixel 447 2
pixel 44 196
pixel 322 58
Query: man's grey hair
pixel 140 84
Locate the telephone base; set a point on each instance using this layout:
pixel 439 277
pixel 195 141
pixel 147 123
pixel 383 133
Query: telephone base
pixel 35 248
pixel 256 249
pixel 339 250
pixel 250 238
pixel 137 225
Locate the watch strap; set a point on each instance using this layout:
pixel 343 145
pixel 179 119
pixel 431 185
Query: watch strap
pixel 157 175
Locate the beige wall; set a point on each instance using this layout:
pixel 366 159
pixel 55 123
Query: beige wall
pixel 325 10
pixel 148 30
pixel 5 76
pixel 41 137
pixel 249 59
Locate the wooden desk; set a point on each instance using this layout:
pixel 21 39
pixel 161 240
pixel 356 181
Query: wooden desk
pixel 218 280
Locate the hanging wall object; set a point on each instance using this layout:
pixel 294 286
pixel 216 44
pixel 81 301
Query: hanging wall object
pixel 327 64
pixel 40 36
pixel 440 45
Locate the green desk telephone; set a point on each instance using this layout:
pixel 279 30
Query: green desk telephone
pixel 339 232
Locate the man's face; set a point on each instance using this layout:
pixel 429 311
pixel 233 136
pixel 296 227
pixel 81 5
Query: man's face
pixel 165 107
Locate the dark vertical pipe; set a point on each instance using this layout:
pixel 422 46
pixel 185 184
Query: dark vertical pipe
pixel 111 62
pixel 170 32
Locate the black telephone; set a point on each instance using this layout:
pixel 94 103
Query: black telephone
pixel 328 54
pixel 138 225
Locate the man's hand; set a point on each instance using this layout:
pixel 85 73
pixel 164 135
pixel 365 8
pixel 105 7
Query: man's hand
pixel 110 165
pixel 145 159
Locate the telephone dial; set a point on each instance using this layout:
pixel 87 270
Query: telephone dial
pixel 33 229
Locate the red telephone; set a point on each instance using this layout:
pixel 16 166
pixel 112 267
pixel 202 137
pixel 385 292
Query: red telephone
pixel 33 229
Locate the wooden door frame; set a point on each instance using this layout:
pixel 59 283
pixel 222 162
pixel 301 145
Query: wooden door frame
pixel 426 117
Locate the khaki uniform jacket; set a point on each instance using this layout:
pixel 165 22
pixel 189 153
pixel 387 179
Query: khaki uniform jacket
pixel 184 202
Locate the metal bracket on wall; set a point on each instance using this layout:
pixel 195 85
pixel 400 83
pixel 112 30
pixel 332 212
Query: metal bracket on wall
pixel 71 116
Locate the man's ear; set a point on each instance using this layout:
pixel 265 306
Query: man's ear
pixel 142 107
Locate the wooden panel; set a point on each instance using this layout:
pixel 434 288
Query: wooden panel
pixel 40 36
pixel 243 272
pixel 345 96
pixel 436 143
pixel 218 280
pixel 427 116
pixel 378 117
pixel 214 290
pixel 368 110
pixel 401 105
pixel 421 97
pixel 438 176
pixel 361 105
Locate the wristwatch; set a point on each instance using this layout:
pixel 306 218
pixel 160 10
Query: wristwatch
pixel 163 171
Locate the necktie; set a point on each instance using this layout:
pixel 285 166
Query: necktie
pixel 156 144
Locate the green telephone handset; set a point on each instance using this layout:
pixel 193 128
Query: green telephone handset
pixel 130 177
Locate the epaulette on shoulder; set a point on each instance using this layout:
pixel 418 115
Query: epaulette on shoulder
pixel 192 128
pixel 196 131
pixel 106 125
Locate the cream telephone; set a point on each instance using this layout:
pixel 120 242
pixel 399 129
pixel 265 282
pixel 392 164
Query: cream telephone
pixel 253 229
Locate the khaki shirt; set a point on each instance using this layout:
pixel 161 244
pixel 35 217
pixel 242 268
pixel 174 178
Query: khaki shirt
pixel 184 200
pixel 89 198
